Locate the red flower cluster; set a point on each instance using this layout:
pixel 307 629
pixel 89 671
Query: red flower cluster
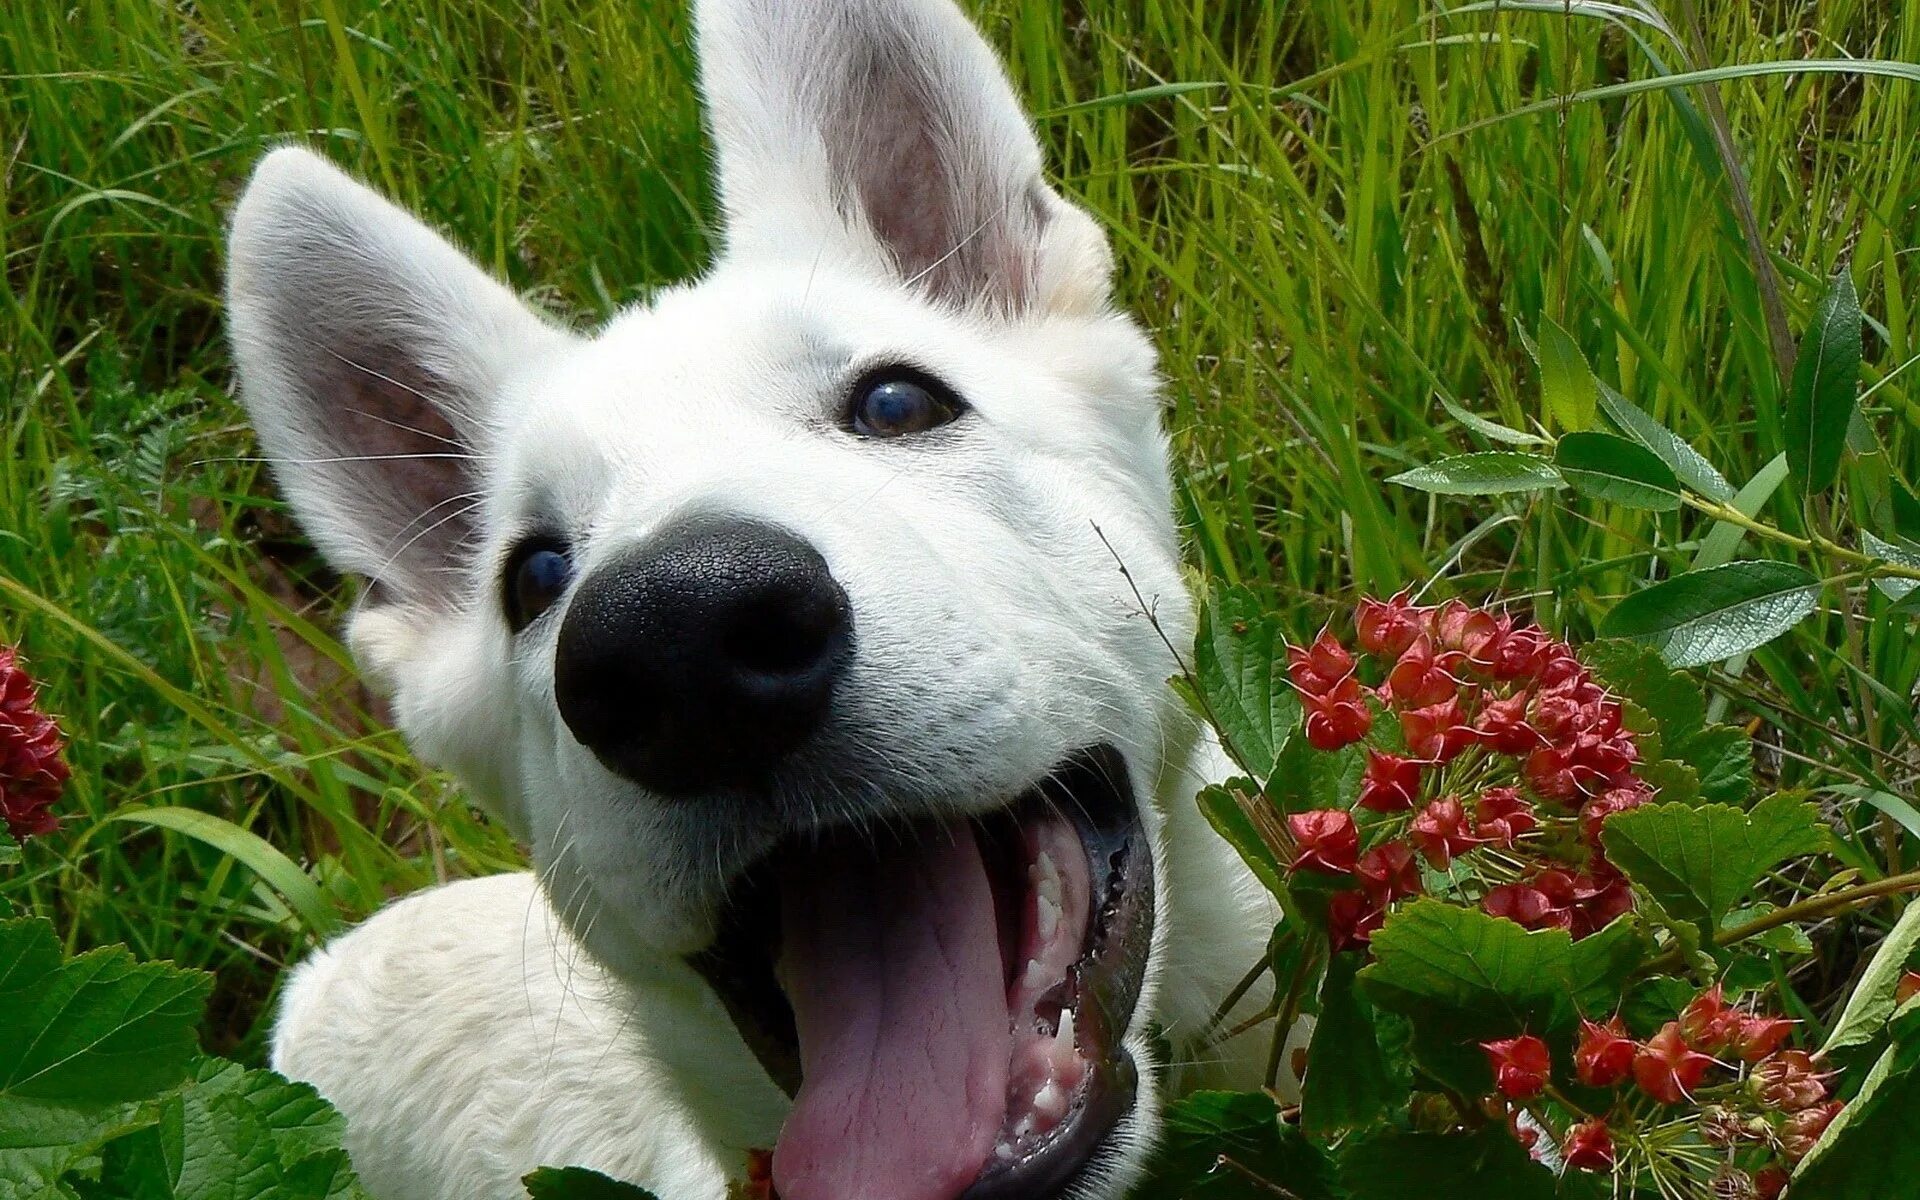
pixel 1511 748
pixel 1778 1111
pixel 32 773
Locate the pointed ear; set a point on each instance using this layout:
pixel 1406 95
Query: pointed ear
pixel 886 129
pixel 371 355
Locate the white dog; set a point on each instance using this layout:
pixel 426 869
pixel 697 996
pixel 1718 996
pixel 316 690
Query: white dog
pixel 783 618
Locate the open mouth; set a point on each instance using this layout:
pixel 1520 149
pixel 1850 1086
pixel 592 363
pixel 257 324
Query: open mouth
pixel 946 1001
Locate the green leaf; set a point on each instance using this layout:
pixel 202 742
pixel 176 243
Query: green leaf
pixel 1700 862
pixel 578 1183
pixel 1902 554
pixel 1240 661
pixel 1306 778
pixel 1349 1084
pixel 1870 1150
pixel 96 1030
pixel 234 1134
pixel 1488 473
pixel 1686 463
pixel 1394 1165
pixel 1245 1128
pixel 1637 673
pixel 1491 430
pixel 252 851
pixel 1705 616
pixel 1567 390
pixel 1236 810
pixel 1617 471
pixel 1722 756
pixel 1461 977
pixel 1826 381
pixel 1871 1005
pixel 9 849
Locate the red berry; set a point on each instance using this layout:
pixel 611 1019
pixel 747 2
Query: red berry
pixel 1768 1184
pixel 1709 1024
pixel 1319 668
pixel 1502 724
pixel 1420 678
pixel 1440 832
pixel 1352 920
pixel 1325 840
pixel 1391 784
pixel 1520 1065
pixel 1604 1056
pixel 1501 815
pixel 32 771
pixel 1790 1081
pixel 1339 717
pixel 1438 732
pixel 1801 1130
pixel 1387 629
pixel 1389 871
pixel 1589 1146
pixel 1760 1036
pixel 1526 906
pixel 1549 772
pixel 1668 1069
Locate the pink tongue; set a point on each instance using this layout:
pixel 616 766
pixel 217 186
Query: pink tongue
pixel 891 960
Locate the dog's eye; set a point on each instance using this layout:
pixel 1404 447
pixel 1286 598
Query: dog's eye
pixel 898 402
pixel 537 575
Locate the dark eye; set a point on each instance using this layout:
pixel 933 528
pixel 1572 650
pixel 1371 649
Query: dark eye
pixel 899 401
pixel 537 575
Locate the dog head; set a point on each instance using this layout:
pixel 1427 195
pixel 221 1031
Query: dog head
pixel 785 616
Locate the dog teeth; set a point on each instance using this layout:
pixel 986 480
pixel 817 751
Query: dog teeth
pixel 1044 874
pixel 1063 1038
pixel 1051 1102
pixel 1049 918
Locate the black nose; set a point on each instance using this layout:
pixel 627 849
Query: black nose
pixel 699 661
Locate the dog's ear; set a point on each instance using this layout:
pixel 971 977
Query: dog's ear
pixel 370 355
pixel 886 129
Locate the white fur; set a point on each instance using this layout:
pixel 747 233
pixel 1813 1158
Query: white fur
pixel 485 1028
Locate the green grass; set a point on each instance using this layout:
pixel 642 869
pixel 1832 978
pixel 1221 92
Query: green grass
pixel 1345 213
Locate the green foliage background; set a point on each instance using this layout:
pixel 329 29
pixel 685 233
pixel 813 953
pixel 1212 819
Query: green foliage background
pixel 1335 217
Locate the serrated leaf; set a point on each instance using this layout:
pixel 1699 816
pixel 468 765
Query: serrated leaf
pixel 98 1029
pixel 1901 554
pixel 1306 778
pixel 1687 464
pixel 1652 1002
pixel 1636 672
pixel 1349 1084
pixel 1617 471
pixel 1237 813
pixel 1871 1004
pixel 1567 390
pixel 1395 1164
pixel 579 1183
pixel 1462 977
pixel 1493 431
pixel 1245 1128
pixel 1706 616
pixel 1701 862
pixel 1722 757
pixel 234 1134
pixel 1826 382
pixel 1488 473
pixel 1240 662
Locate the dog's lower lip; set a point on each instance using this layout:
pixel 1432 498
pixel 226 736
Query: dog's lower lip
pixel 1090 792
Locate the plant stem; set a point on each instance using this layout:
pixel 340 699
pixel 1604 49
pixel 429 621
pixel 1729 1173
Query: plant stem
pixel 1819 906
